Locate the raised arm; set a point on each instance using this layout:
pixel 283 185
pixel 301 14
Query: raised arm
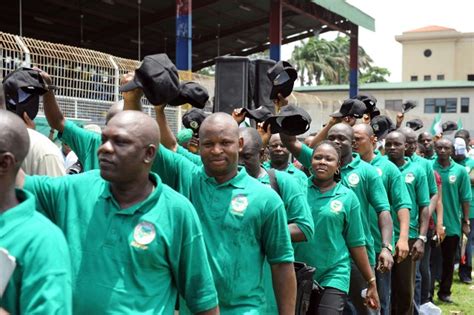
pixel 167 137
pixel 323 133
pixel 292 144
pixel 131 99
pixel 53 114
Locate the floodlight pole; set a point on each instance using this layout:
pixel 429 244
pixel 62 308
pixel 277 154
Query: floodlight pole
pixel 353 61
pixel 184 34
pixel 275 29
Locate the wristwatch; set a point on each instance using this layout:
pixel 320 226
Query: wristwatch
pixel 423 238
pixel 387 246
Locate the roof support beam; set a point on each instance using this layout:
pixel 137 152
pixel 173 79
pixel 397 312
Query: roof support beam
pixel 275 29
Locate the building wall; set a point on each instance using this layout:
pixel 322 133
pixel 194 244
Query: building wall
pixel 331 99
pixel 464 57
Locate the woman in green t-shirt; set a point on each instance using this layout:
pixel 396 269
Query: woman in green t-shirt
pixel 338 235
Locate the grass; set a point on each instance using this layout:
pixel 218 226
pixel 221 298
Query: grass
pixel 463 297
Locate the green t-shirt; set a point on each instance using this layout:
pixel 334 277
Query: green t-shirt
pixel 363 179
pixel 132 260
pixel 337 227
pixel 41 282
pixel 397 194
pixel 299 175
pixel 468 164
pixel 195 158
pixel 456 190
pixel 427 165
pixel 84 143
pixel 415 180
pixel 243 222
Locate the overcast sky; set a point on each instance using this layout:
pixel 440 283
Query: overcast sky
pixel 395 17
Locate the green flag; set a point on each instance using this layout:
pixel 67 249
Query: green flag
pixel 459 123
pixel 436 125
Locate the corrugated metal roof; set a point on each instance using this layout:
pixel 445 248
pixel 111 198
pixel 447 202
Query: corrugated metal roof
pixel 344 9
pixel 391 86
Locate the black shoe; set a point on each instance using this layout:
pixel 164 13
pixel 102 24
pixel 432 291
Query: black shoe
pixel 466 280
pixel 445 299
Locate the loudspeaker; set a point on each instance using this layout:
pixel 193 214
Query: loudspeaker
pixel 231 83
pixel 262 85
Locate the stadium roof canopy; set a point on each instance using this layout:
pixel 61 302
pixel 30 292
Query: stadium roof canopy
pixel 219 27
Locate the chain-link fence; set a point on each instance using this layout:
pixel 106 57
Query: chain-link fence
pixel 87 80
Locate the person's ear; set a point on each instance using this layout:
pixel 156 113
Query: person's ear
pixel 150 154
pixel 241 144
pixel 7 162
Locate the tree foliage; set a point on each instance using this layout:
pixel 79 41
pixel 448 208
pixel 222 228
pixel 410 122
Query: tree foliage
pixel 319 61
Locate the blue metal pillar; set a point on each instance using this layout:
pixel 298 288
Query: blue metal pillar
pixel 354 64
pixel 275 29
pixel 183 34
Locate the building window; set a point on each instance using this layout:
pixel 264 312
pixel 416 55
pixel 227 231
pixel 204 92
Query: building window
pixel 445 105
pixel 414 78
pixel 440 77
pixel 427 78
pixel 470 77
pixel 427 53
pixel 464 104
pixel 395 105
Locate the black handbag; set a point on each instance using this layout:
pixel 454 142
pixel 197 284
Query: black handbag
pixel 304 286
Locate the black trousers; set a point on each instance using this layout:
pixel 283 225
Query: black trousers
pixel 448 250
pixel 330 301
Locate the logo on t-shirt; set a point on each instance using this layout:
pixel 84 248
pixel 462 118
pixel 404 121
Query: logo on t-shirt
pixel 379 170
pixel 238 205
pixel 452 179
pixel 353 179
pixel 143 234
pixel 409 178
pixel 336 206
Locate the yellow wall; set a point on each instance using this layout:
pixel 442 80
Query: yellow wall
pixel 464 57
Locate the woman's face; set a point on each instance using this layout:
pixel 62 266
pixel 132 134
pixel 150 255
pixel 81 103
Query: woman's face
pixel 325 162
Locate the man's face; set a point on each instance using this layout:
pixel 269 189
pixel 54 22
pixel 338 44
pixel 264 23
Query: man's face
pixel 444 149
pixel 249 155
pixel 411 145
pixel 426 141
pixel 122 153
pixel 362 144
pixel 395 147
pixel 278 152
pixel 342 139
pixel 219 147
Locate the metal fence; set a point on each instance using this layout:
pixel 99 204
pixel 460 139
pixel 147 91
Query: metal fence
pixel 87 80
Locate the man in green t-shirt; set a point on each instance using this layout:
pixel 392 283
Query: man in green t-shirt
pixel 364 180
pixel 41 281
pixel 279 160
pixel 425 142
pixel 135 243
pixel 460 156
pixel 456 194
pixel 403 273
pixel 364 145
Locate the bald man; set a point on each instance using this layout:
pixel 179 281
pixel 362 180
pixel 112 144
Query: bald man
pixel 135 243
pixel 41 281
pixel 364 180
pixel 243 221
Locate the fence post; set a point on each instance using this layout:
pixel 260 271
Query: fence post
pixel 116 79
pixel 26 51
pixel 75 108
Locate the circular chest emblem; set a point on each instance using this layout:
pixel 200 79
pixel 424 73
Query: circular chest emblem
pixel 452 179
pixel 144 233
pixel 194 124
pixel 409 178
pixel 353 179
pixel 336 206
pixel 379 170
pixel 239 203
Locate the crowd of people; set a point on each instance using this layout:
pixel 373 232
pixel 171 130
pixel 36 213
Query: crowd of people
pixel 237 215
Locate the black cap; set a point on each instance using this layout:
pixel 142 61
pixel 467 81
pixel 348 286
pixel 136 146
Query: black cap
pixel 369 100
pixel 193 119
pixel 407 106
pixel 415 124
pixel 282 75
pixel 291 120
pixel 382 125
pixel 192 93
pixel 351 107
pixel 449 126
pixel 158 77
pixel 259 114
pixel 375 112
pixel 22 89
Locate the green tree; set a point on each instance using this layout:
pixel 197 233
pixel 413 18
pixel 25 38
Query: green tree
pixel 374 74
